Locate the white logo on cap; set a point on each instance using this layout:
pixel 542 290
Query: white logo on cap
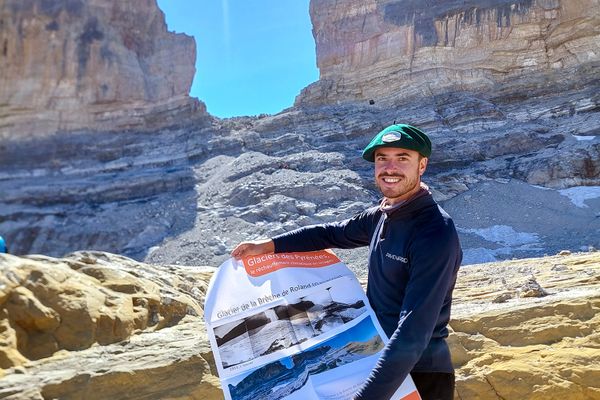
pixel 391 137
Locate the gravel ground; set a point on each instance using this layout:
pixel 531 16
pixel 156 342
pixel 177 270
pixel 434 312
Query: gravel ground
pixel 496 220
pixel 511 219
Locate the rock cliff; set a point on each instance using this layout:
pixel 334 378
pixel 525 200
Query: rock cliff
pixel 392 50
pixel 95 325
pixel 99 64
pixel 517 164
pixel 189 192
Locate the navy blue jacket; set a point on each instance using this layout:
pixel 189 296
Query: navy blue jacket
pixel 413 262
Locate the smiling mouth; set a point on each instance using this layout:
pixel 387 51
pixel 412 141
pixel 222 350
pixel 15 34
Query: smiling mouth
pixel 389 179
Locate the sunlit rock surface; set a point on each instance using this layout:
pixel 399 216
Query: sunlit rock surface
pixel 96 325
pixel 512 340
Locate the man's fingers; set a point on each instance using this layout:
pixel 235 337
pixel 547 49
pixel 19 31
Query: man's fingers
pixel 245 249
pixel 239 250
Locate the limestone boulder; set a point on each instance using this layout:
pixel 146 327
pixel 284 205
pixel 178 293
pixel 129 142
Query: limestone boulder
pixel 536 347
pixel 96 325
pixel 74 303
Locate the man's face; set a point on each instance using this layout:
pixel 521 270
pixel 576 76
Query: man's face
pixel 398 172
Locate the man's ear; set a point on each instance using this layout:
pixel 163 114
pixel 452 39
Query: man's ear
pixel 423 165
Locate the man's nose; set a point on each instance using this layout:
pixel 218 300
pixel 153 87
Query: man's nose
pixel 390 165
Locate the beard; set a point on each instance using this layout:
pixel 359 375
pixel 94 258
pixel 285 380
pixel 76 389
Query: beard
pixel 405 185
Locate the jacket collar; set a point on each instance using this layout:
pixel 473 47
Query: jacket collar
pixel 419 199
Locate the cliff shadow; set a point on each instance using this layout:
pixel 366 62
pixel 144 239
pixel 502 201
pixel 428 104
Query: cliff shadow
pixel 121 192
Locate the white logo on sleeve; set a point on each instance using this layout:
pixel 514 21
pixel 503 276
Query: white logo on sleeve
pixel 397 258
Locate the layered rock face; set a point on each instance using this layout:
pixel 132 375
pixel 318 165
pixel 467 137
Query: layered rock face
pixel 186 188
pixel 95 325
pixel 391 50
pixel 99 64
pixel 189 193
pixel 507 91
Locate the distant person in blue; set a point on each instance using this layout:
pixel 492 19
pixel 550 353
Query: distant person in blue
pixel 3 248
pixel 414 256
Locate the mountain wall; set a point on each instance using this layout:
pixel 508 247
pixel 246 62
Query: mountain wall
pixel 153 177
pixel 97 64
pixel 383 50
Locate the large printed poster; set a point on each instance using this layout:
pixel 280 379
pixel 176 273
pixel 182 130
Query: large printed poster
pixel 292 326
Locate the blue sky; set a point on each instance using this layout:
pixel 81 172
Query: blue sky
pixel 253 56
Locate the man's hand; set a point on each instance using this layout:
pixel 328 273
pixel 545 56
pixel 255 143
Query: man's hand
pixel 253 248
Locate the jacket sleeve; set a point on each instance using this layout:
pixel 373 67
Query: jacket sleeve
pixel 347 234
pixel 434 259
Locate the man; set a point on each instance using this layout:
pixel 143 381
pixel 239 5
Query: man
pixel 414 255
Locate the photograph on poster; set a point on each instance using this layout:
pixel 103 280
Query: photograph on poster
pixel 278 379
pixel 233 342
pixel 331 307
pixel 286 325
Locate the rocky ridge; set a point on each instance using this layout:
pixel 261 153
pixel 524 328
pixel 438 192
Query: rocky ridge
pixel 520 329
pixel 189 192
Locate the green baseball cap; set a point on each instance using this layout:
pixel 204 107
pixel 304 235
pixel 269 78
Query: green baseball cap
pixel 402 136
